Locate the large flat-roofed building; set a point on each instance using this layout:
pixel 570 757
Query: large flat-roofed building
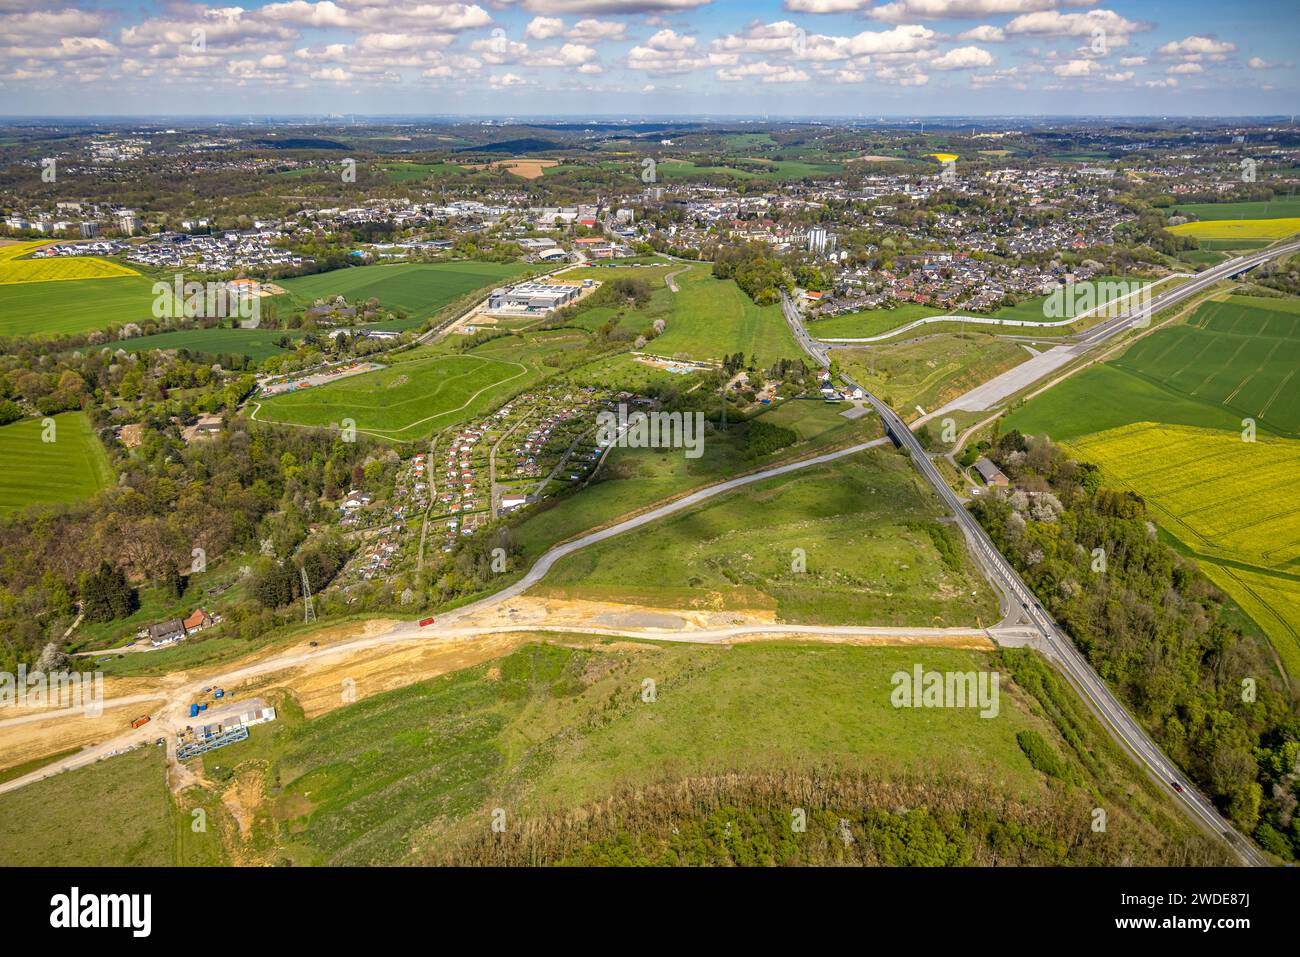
pixel 533 298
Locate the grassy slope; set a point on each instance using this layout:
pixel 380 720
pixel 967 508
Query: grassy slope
pixel 400 776
pixel 930 371
pixel 404 402
pixel 713 318
pixel 116 812
pixel 634 479
pixel 865 525
pixel 71 468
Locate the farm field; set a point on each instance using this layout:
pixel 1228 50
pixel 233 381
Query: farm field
pixel 406 401
pixel 1234 229
pixel 1241 354
pixel 254 343
pixel 771 169
pixel 22 247
pixel 61 269
pixel 410 775
pixel 1106 396
pixel 1285 208
pixel 404 172
pixel 930 371
pixel 712 318
pixel 875 553
pixel 421 289
pixel 73 306
pixel 32 472
pixel 1232 503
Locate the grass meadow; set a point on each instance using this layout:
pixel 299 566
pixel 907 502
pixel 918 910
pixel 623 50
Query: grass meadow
pixel 34 472
pixel 406 401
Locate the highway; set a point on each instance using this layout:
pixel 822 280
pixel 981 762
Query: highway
pixel 1054 643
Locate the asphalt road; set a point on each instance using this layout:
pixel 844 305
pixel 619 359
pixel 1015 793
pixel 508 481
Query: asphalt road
pixel 1054 643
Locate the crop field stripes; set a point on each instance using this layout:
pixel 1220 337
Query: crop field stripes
pixel 1276 392
pixel 1213 373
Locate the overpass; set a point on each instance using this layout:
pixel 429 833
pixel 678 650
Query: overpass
pixel 1019 603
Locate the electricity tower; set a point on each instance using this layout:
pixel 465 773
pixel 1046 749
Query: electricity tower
pixel 308 610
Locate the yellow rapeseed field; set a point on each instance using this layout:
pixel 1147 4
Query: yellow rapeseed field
pixel 1231 501
pixel 13 250
pixel 1239 228
pixel 55 270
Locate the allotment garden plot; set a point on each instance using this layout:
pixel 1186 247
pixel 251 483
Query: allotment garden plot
pixel 404 402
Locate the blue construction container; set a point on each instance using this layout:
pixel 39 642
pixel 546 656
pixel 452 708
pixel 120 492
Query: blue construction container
pixel 194 710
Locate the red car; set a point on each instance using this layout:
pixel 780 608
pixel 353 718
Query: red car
pixel 1177 787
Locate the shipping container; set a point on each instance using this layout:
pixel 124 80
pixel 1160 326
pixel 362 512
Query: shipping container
pixel 425 621
pixel 140 721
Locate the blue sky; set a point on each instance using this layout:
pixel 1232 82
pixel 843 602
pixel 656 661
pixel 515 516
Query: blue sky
pixel 638 57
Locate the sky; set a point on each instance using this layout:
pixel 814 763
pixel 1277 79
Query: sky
pixel 777 58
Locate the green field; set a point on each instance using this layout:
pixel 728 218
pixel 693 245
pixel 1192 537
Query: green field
pixel 415 172
pixel 421 289
pixel 869 322
pixel 1241 354
pixel 712 318
pixel 930 371
pixel 254 343
pixel 32 472
pixel 1286 208
pixel 113 813
pixel 1106 396
pixel 875 552
pixel 410 775
pixel 633 479
pixel 769 169
pixel 406 401
pixel 77 305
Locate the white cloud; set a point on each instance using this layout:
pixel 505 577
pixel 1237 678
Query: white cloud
pixel 765 72
pixel 670 41
pixel 962 58
pixel 590 29
pixel 902 11
pixel 1196 46
pixel 1108 24
pixel 984 34
pixel 1258 63
pixel 544 28
pixel 1076 68
pixel 1186 68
